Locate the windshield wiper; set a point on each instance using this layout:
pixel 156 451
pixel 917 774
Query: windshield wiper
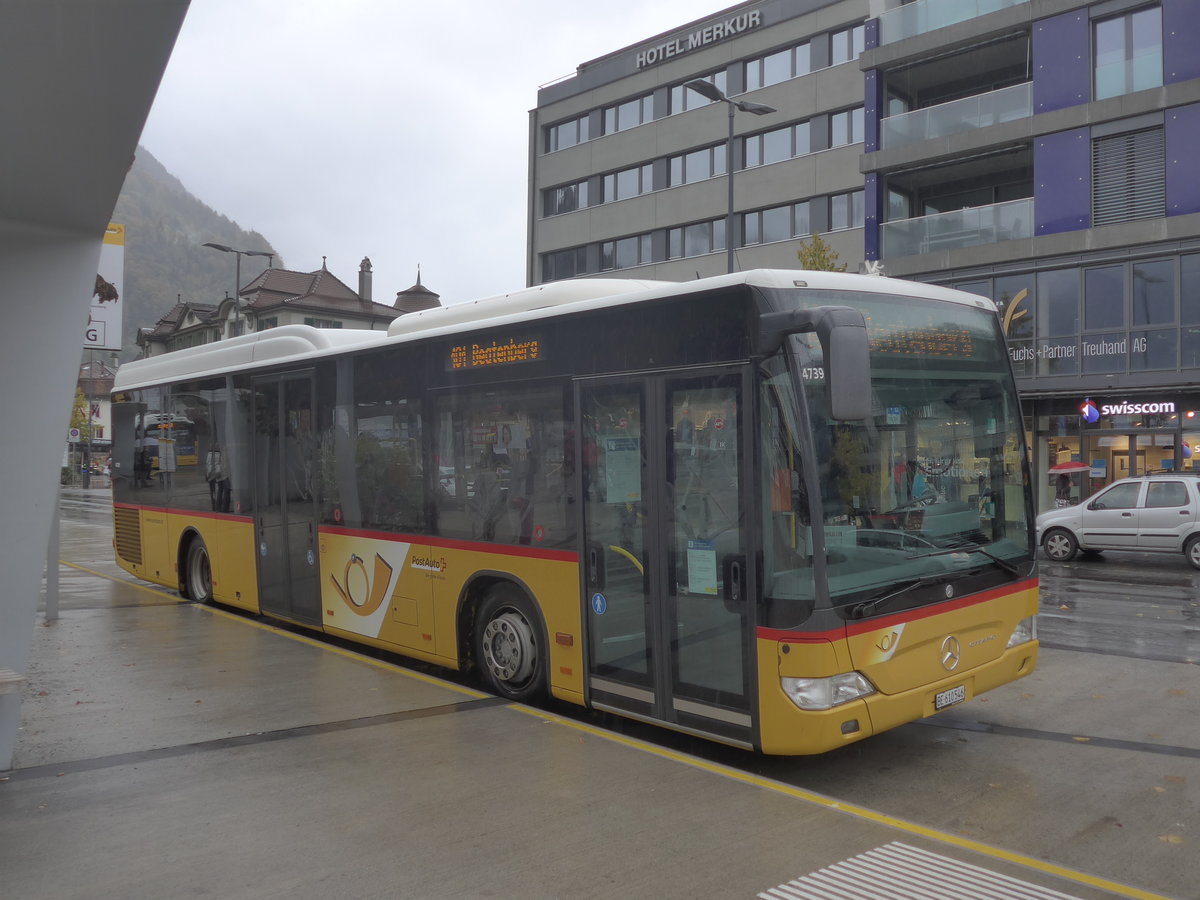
pixel 864 608
pixel 969 547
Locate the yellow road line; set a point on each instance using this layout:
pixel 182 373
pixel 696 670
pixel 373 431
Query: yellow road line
pixel 779 787
pixel 156 591
pixel 851 809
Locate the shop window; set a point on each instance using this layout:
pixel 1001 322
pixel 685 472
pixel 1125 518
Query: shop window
pixel 1104 297
pixel 1154 293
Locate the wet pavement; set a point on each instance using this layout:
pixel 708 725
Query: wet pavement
pixel 172 750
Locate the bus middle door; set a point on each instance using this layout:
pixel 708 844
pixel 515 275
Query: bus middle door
pixel 285 508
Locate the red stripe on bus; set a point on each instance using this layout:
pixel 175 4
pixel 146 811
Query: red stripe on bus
pixel 909 615
pixel 450 544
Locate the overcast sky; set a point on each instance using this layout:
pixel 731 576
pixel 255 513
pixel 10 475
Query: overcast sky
pixel 383 128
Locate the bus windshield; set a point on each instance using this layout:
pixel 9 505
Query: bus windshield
pixel 926 493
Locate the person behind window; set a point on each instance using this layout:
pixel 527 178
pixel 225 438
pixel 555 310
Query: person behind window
pixel 217 475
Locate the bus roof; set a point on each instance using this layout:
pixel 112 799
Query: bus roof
pixel 299 342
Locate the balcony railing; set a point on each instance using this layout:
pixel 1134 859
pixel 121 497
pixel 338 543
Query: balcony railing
pixel 958 116
pixel 961 228
pixel 926 15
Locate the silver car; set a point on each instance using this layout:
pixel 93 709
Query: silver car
pixel 1156 513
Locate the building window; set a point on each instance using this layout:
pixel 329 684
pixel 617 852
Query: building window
pixel 699 165
pixel 847 211
pixel 776 145
pixel 625 253
pixel 779 223
pixel 846 127
pixel 846 44
pixel 564 264
pixel 322 323
pixel 566 134
pixel 628 183
pixel 696 240
pixel 1128 53
pixel 1128 177
pixel 264 324
pixel 1104 298
pixel 629 114
pixel 683 99
pixel 1153 294
pixel 565 199
pixel 791 62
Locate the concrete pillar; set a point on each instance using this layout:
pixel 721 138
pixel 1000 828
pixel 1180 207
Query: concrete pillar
pixel 53 275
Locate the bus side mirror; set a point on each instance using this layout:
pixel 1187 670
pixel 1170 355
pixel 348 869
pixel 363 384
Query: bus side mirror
pixel 843 337
pixel 842 331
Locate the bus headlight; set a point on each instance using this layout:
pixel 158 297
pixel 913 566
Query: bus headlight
pixel 826 693
pixel 1025 632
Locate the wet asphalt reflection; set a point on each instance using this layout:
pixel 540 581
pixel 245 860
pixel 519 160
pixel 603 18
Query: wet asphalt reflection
pixel 1141 605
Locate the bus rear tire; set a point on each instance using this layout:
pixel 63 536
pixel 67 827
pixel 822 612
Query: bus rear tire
pixel 197 572
pixel 509 647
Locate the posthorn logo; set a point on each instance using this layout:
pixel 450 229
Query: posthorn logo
pixel 1090 413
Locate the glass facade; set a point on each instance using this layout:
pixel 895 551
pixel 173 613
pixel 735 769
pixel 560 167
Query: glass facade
pixel 1136 316
pixel 1124 339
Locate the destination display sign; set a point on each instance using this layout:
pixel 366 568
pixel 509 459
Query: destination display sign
pixel 956 343
pixel 487 354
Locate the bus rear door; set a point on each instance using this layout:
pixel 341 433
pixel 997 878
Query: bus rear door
pixel 666 585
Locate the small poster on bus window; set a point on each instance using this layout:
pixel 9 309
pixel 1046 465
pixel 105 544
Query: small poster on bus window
pixel 702 568
pixel 623 469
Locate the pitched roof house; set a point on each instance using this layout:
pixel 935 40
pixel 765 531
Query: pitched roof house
pixel 282 297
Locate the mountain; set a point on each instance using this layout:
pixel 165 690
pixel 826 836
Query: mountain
pixel 165 226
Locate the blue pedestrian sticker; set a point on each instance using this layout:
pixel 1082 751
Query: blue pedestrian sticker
pixel 312 557
pixel 262 549
pixel 599 604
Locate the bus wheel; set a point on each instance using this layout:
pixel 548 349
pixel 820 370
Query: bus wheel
pixel 509 648
pixel 198 572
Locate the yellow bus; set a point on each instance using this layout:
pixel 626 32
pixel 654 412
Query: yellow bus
pixel 782 510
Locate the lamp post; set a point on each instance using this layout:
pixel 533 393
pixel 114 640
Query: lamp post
pixel 712 92
pixel 237 275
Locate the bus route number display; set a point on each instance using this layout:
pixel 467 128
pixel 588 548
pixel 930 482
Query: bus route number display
pixel 487 355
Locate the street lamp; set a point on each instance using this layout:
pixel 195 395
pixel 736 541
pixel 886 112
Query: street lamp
pixel 237 275
pixel 712 92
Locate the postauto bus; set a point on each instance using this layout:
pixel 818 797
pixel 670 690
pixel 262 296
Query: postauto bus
pixel 783 510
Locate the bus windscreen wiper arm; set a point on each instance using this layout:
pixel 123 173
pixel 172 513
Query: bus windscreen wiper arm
pixel 864 608
pixel 973 548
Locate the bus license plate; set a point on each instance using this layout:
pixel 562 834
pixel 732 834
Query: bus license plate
pixel 950 697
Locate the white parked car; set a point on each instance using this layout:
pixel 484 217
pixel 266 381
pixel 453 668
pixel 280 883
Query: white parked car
pixel 1157 513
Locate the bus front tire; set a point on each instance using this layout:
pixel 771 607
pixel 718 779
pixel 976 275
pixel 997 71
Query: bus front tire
pixel 198 572
pixel 509 647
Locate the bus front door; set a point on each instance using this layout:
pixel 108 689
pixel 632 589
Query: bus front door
pixel 666 584
pixel 285 509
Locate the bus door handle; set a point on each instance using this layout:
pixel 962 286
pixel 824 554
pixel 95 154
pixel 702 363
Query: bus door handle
pixel 735 582
pixel 595 566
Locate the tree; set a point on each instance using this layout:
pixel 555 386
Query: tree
pixel 81 416
pixel 818 256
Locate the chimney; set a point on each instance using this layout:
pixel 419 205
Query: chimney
pixel 364 279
